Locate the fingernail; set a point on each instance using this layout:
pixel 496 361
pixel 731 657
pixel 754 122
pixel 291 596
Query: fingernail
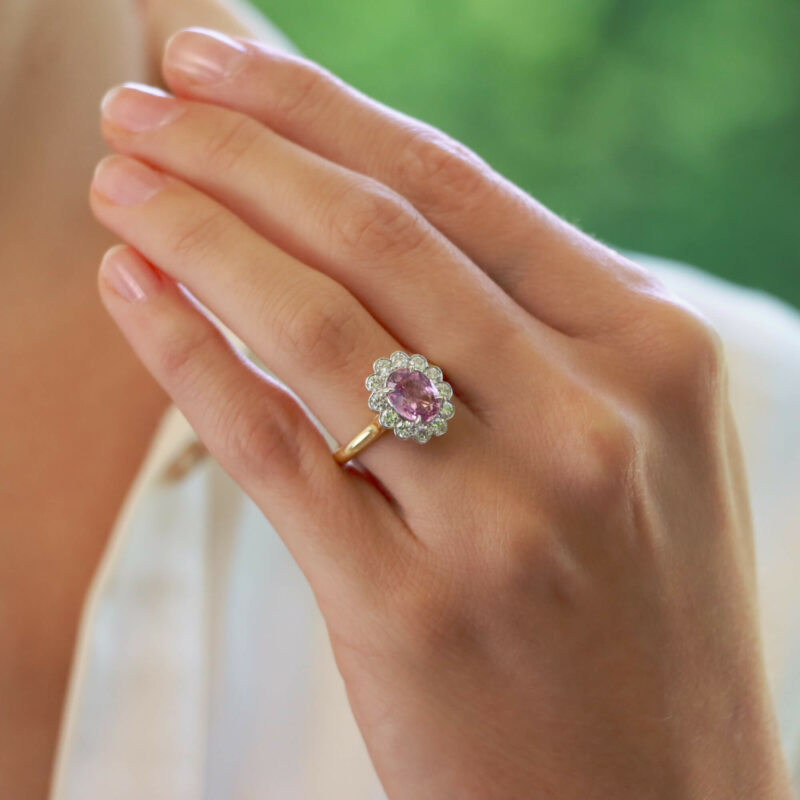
pixel 204 56
pixel 137 107
pixel 129 275
pixel 126 182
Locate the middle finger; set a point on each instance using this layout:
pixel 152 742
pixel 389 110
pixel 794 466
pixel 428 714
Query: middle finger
pixel 303 325
pixel 425 291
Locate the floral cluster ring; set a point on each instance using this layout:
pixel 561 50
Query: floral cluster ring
pixel 409 396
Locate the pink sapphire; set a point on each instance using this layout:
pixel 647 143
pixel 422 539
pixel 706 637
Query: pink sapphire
pixel 413 395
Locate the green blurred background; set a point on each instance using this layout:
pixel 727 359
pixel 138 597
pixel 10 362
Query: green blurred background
pixel 671 128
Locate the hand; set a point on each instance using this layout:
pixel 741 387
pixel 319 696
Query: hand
pixel 555 599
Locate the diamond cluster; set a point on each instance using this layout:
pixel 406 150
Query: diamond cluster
pixel 410 396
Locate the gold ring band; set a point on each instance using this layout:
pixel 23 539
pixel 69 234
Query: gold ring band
pixel 360 442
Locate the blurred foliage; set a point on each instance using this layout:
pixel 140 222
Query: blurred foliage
pixel 666 127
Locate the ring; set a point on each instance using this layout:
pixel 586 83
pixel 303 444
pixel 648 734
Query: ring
pixel 409 396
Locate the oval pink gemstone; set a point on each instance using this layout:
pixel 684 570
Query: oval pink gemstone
pixel 413 395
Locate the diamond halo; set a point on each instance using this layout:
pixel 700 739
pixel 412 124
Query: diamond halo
pixel 410 396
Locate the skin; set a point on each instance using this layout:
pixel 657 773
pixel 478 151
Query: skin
pixel 556 599
pixel 78 408
pixel 66 461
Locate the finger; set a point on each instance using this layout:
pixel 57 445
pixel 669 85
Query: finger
pixel 304 326
pixel 163 18
pixel 256 430
pixel 566 279
pixel 365 236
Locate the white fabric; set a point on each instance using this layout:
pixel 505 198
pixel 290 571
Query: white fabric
pixel 203 671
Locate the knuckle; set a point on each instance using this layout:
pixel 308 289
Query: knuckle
pixel 231 143
pixel 180 355
pixel 371 221
pixel 301 90
pixel 687 360
pixel 255 443
pixel 199 234
pixel 319 328
pixel 434 164
pixel 700 346
pixel 603 458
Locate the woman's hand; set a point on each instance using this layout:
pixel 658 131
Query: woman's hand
pixel 555 599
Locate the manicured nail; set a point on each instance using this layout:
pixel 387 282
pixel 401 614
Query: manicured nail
pixel 129 275
pixel 137 107
pixel 126 182
pixel 204 56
